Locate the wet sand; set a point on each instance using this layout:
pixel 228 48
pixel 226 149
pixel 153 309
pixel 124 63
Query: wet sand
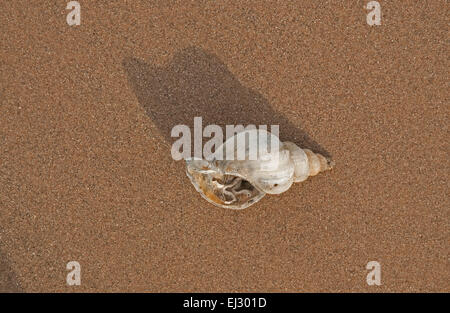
pixel 86 172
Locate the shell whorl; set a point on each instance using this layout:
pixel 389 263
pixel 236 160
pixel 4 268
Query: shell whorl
pixel 306 162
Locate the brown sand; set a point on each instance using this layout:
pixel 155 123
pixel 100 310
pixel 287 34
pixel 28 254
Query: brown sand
pixel 85 166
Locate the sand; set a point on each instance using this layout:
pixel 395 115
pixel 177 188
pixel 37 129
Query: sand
pixel 85 167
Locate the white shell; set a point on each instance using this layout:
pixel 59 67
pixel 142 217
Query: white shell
pixel 235 183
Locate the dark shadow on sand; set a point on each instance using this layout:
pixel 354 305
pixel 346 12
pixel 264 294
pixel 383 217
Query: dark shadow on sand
pixel 197 83
pixel 8 280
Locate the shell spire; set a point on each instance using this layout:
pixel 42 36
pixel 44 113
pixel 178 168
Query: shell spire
pixel 306 162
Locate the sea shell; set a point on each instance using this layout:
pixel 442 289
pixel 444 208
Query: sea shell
pixel 236 177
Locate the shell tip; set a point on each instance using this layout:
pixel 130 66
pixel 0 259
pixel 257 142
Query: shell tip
pixel 330 164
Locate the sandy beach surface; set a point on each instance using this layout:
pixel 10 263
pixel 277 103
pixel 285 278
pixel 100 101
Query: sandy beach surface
pixel 86 172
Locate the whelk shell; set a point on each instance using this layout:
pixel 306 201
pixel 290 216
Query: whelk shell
pixel 238 183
